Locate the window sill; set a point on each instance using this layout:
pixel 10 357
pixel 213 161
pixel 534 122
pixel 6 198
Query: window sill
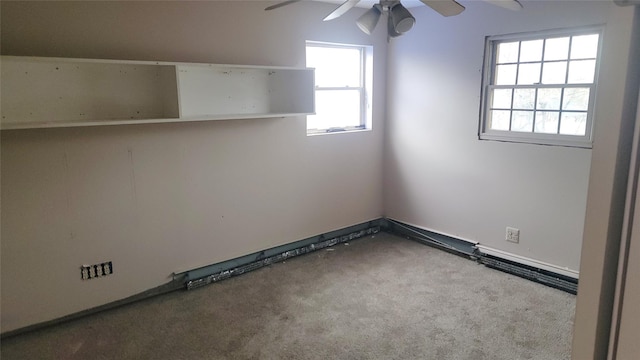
pixel 567 141
pixel 336 131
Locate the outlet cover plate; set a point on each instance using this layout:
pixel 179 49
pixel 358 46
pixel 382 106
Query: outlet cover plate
pixel 98 270
pixel 513 235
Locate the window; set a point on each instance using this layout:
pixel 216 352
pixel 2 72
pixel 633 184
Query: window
pixel 343 87
pixel 540 88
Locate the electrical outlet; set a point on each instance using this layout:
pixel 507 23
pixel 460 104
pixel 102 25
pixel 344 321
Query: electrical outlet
pixel 107 268
pixel 84 272
pixel 98 270
pixel 513 235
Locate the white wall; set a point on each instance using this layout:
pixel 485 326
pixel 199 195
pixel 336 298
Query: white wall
pixel 439 176
pixel 160 198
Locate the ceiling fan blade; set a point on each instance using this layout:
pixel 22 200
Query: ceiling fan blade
pixel 340 10
pixel 507 4
pixel 445 7
pixel 281 4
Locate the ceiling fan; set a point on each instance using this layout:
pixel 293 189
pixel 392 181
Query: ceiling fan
pixel 400 19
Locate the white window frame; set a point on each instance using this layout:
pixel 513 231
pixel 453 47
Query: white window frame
pixel 489 68
pixel 365 87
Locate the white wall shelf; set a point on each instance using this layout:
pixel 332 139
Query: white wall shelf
pixel 60 92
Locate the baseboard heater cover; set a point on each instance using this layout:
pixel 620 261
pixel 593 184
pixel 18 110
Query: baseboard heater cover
pixel 279 257
pixel 541 276
pixel 443 242
pixel 472 251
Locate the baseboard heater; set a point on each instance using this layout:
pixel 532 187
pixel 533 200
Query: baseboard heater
pixel 470 250
pixel 217 272
pixel 214 273
pixel 440 241
pixel 541 276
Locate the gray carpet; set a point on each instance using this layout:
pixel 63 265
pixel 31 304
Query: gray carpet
pixel 377 298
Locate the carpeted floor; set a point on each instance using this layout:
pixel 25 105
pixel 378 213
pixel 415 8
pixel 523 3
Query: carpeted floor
pixel 381 297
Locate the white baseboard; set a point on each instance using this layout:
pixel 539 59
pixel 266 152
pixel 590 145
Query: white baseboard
pixel 530 262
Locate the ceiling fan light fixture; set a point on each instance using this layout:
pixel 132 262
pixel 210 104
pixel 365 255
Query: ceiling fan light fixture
pixel 401 19
pixel 368 21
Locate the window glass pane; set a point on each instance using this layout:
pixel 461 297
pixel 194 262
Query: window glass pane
pixel 499 119
pixel 531 50
pixel 529 74
pixel 507 52
pixel 573 123
pixel 524 98
pixel 506 74
pixel 575 99
pixel 549 99
pixel 581 72
pixel 501 98
pixel 554 72
pixel 584 47
pixel 335 108
pixel 335 67
pixel 556 49
pixel 546 122
pixel 522 121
